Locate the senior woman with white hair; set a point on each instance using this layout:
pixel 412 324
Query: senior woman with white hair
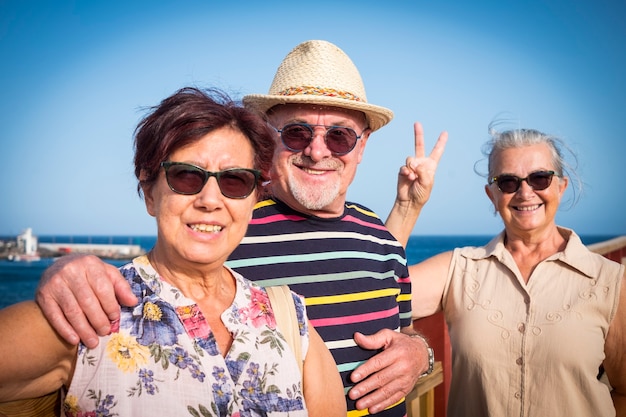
pixel 532 315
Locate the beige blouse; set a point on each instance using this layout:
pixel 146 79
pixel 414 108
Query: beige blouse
pixel 529 349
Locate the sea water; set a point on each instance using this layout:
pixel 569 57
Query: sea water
pixel 18 280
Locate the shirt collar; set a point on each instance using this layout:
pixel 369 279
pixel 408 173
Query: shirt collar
pixel 576 255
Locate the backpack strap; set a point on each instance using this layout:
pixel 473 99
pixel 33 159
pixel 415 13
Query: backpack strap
pixel 286 318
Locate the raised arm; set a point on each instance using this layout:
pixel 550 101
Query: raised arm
pixel 323 389
pixel 615 361
pixel 78 296
pixel 34 360
pixel 415 182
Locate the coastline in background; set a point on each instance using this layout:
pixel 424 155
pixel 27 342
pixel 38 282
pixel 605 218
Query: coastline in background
pixel 18 280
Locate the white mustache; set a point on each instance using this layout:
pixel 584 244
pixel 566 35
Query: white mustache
pixel 306 162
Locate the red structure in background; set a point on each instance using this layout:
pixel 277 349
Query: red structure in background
pixel 436 331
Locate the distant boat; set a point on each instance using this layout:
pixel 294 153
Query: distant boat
pixel 24 257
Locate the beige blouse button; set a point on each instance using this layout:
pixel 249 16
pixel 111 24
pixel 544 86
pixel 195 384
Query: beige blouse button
pixel 519 361
pixel 521 327
pixel 518 395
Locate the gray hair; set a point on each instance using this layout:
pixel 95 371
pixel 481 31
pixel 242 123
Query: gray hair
pixel 518 138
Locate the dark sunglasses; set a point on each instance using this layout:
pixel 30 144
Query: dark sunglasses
pixel 189 179
pixel 339 140
pixel 539 180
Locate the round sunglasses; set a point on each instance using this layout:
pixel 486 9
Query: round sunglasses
pixel 538 180
pixel 340 140
pixel 189 179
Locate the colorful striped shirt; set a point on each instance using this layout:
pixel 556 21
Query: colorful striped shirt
pixel 351 271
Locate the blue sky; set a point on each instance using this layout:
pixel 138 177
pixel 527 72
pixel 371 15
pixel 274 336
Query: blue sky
pixel 76 76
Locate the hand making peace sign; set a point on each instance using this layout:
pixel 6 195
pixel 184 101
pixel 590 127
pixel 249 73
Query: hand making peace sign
pixel 415 183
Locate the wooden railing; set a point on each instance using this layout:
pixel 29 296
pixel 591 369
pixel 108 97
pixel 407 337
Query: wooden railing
pixel 613 249
pixel 436 331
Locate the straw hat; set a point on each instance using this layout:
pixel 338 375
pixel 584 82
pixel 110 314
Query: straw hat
pixel 318 72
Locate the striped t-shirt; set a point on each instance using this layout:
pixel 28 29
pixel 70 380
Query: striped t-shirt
pixel 351 271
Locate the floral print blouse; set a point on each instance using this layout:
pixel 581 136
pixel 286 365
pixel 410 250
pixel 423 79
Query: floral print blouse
pixel 163 359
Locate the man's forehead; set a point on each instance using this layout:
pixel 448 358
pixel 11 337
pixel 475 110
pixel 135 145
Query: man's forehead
pixel 292 110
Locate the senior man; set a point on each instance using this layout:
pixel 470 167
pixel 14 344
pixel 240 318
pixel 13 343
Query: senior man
pixel 337 254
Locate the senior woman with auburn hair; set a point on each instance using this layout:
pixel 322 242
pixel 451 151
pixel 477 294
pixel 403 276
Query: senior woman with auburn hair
pixel 202 340
pixel 532 315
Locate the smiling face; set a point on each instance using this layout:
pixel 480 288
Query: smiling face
pixel 205 227
pixel 315 181
pixel 526 211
